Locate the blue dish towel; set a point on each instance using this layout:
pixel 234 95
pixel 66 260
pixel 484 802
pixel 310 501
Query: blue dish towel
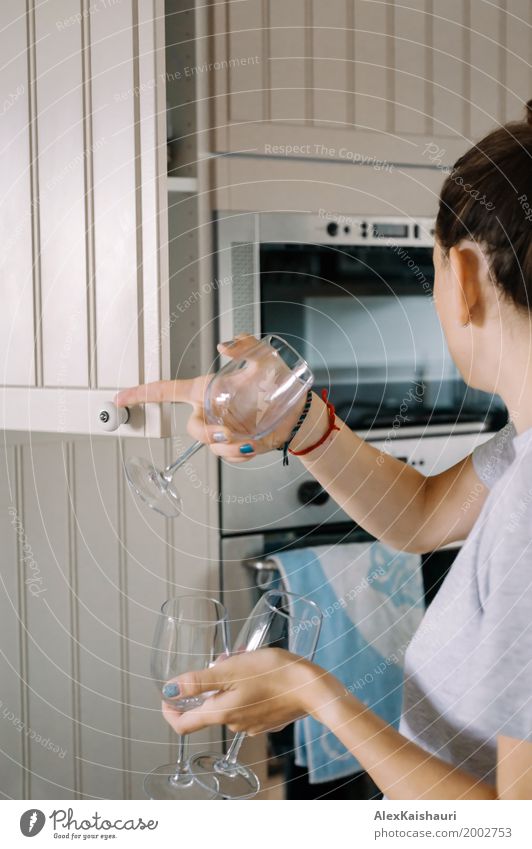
pixel 372 602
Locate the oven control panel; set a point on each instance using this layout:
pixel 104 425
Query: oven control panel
pixel 327 227
pixel 264 495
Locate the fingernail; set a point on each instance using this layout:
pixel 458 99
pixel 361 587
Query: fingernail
pixel 246 449
pixel 227 344
pixel 170 691
pixel 219 436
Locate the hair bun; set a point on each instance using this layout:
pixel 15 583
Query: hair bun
pixel 528 113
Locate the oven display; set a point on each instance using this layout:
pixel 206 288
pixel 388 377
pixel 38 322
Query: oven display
pixel 390 231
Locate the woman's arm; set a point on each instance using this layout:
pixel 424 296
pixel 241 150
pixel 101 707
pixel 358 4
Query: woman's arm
pixel 514 768
pixel 388 498
pixel 400 768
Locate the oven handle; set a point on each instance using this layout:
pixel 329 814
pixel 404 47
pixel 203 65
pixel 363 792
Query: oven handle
pixel 264 569
pixel 259 564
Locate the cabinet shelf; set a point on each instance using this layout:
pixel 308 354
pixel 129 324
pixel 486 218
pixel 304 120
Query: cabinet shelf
pixel 185 185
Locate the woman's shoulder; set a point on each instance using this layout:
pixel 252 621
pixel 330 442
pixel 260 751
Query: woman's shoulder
pixel 495 455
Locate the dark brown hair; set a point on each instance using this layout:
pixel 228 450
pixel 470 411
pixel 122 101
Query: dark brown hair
pixel 487 197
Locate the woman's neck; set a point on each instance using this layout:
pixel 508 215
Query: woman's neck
pixel 514 383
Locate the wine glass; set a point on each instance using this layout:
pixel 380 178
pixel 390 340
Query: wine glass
pixel 250 395
pixel 278 619
pixel 191 633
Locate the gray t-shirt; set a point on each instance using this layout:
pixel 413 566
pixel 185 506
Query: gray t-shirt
pixel 468 669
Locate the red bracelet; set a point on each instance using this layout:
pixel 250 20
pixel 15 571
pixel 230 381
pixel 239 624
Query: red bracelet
pixel 332 426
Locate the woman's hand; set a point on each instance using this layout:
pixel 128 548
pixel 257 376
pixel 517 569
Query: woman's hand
pixel 222 440
pixel 256 691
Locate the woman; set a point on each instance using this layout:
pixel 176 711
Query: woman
pixel 466 728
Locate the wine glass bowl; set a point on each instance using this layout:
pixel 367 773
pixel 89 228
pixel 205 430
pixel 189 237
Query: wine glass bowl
pixel 279 619
pixel 251 395
pixel 153 487
pixel 191 633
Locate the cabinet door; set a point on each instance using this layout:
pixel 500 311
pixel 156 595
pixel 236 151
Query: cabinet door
pixel 83 211
pixel 351 80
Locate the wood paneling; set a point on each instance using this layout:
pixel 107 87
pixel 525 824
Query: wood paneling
pixel 373 58
pixel 487 27
pixel 411 54
pixel 16 277
pixel 98 635
pixel 13 705
pixel 113 140
pixel 61 170
pixel 517 58
pixel 403 72
pixel 247 67
pixel 450 69
pixel 288 64
pixel 85 571
pixel 50 680
pixel 332 65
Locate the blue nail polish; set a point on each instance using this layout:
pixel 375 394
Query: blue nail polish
pixel 246 449
pixel 170 691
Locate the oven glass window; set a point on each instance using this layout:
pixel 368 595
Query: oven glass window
pixel 364 318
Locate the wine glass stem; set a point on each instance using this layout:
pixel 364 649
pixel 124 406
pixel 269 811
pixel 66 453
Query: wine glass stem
pixel 232 753
pixel 186 455
pixel 182 772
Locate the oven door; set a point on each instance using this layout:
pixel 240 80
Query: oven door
pixel 246 572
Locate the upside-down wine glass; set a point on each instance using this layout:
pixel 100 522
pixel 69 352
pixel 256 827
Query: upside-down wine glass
pixel 191 633
pixel 278 619
pixel 251 395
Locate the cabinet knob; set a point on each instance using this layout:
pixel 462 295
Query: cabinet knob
pixel 110 416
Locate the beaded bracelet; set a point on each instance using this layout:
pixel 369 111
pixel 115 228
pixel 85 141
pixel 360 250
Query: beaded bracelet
pixel 332 426
pixel 301 419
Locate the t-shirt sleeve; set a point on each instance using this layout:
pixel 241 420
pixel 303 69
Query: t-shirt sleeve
pixel 492 458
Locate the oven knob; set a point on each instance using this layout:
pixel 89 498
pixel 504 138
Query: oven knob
pixel 311 492
pixel 332 228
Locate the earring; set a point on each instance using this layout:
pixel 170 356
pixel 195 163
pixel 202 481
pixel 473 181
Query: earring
pixel 467 323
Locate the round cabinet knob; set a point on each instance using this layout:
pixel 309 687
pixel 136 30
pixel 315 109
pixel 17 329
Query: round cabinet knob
pixel 110 417
pixel 311 492
pixel 332 228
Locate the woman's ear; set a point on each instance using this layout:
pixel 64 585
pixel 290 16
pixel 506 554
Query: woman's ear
pixel 469 274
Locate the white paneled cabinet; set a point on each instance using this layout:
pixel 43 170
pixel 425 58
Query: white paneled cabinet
pixel 83 211
pixel 84 572
pixel 378 78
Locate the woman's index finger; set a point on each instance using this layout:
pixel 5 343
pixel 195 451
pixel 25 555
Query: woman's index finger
pixel 157 393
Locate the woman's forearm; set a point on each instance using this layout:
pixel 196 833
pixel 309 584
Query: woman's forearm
pixel 401 769
pixel 383 495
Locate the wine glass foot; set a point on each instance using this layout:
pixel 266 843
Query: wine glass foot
pixel 235 781
pixel 154 489
pixel 161 783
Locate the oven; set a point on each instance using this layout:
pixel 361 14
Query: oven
pixel 353 294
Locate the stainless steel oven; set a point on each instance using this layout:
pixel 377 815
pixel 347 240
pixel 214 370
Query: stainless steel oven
pixel 354 295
